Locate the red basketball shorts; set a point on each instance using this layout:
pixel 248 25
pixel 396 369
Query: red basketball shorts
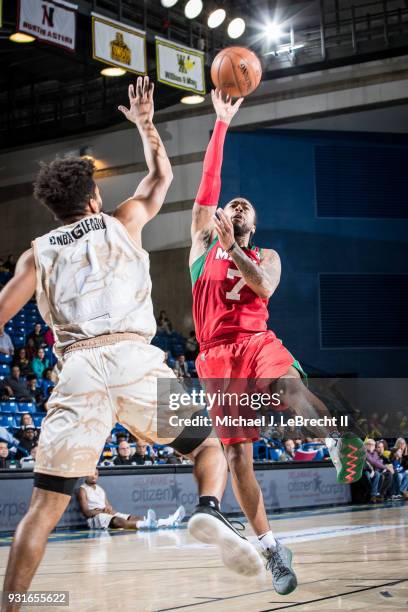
pixel 252 364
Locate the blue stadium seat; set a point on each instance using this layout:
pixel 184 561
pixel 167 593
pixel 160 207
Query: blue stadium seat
pixel 7 359
pixel 26 407
pixel 18 341
pixel 319 455
pixel 8 406
pixel 259 451
pixel 37 418
pixel 274 454
pixel 7 420
pixel 5 369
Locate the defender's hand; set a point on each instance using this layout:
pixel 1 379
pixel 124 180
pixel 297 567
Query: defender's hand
pixel 225 229
pixel 141 103
pixel 223 105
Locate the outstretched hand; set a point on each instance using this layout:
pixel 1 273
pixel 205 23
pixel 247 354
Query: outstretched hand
pixel 223 105
pixel 224 228
pixel 141 102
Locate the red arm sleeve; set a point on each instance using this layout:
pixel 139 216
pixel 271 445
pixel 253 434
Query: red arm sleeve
pixel 210 186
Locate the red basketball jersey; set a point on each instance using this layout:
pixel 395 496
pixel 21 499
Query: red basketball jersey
pixel 224 307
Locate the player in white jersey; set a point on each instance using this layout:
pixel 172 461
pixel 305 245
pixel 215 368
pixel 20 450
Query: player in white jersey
pixel 91 278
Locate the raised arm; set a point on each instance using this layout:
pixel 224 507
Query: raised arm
pixel 19 289
pixel 210 186
pixel 149 196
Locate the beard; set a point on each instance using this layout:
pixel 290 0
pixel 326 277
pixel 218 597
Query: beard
pixel 240 229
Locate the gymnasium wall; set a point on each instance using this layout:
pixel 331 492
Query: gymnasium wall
pixel 334 206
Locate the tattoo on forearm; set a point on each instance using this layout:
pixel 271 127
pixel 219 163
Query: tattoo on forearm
pixel 252 273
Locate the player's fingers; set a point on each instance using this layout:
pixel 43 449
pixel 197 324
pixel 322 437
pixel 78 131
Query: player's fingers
pixel 139 91
pixel 238 103
pixel 131 92
pixel 145 85
pixel 151 89
pixel 123 110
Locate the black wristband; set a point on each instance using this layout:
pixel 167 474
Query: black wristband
pixel 232 247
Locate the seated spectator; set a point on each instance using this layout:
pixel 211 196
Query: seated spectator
pixel 124 456
pixel 16 385
pixel 49 338
pixel 141 457
pixel 26 419
pixel 10 264
pixel 28 462
pixel 380 487
pixel 164 323
pixel 402 444
pixel 35 392
pixel 100 514
pixel 289 450
pixel 4 392
pixel 37 336
pixel 191 347
pixel 30 348
pixel 401 474
pixel 23 362
pixel 6 345
pixel 4 456
pixel 383 452
pixel 181 367
pixel 28 440
pixel 47 383
pixel 40 363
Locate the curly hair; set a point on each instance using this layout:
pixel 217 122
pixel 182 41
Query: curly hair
pixel 65 186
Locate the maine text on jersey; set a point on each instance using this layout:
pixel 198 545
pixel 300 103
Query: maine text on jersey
pixel 84 227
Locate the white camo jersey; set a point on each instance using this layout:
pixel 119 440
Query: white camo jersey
pixel 92 279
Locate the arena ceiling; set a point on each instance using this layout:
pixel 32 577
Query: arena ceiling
pixel 46 92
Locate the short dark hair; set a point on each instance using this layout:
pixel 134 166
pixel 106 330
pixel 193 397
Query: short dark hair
pixel 65 186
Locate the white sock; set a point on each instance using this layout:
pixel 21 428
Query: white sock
pixel 267 540
pixel 141 524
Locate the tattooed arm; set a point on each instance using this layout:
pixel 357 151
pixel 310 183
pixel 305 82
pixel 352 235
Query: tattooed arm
pixel 262 279
pixel 148 198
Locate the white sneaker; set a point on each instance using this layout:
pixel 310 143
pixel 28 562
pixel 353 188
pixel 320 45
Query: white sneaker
pixel 173 520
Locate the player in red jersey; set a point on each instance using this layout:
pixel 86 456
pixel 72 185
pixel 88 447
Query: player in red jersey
pixel 232 283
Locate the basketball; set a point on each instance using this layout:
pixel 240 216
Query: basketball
pixel 236 71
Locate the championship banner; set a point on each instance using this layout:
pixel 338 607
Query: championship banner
pixel 117 44
pixel 180 66
pixel 52 21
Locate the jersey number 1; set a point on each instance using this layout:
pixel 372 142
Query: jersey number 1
pixel 234 293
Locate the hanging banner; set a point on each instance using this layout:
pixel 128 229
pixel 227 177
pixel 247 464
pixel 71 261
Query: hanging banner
pixel 180 66
pixel 117 44
pixel 51 21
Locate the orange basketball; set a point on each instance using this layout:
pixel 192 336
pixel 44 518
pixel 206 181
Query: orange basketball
pixel 237 71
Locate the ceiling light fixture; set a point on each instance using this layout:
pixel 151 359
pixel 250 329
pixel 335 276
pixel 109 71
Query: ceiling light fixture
pixel 216 18
pixel 193 99
pixel 193 8
pixel 20 37
pixel 236 27
pixel 113 71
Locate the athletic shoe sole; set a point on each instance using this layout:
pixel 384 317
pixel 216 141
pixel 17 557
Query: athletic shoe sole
pixel 237 553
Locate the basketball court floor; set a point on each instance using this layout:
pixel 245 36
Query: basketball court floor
pixel 347 558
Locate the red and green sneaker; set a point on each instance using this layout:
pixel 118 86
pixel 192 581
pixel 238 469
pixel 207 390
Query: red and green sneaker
pixel 348 454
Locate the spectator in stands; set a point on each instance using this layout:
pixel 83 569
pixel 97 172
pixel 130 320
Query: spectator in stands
pixel 384 488
pixel 30 460
pixel 26 419
pixel 402 474
pixel 181 367
pixel 191 347
pixel 40 363
pixel 47 383
pixel 164 323
pixel 124 456
pixel 27 441
pixel 4 456
pixel 30 349
pixel 298 443
pixel 6 345
pixel 49 338
pixel 289 450
pixel 100 514
pixel 383 452
pixel 4 394
pixel 38 336
pixel 35 392
pixel 22 361
pixel 16 385
pixel 401 443
pixel 10 264
pixel 141 457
